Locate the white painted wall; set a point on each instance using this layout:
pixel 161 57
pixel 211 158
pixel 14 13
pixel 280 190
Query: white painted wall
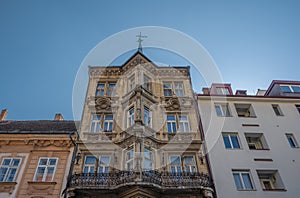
pixel 285 159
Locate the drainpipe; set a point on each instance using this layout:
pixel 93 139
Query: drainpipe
pixel 72 162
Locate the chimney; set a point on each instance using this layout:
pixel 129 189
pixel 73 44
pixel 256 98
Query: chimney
pixel 3 114
pixel 206 90
pixel 58 116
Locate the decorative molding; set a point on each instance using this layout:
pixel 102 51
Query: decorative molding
pixel 102 103
pixel 7 187
pixel 45 188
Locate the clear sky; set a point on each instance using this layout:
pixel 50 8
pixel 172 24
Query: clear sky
pixel 42 43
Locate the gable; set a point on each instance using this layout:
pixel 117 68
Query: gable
pixel 138 59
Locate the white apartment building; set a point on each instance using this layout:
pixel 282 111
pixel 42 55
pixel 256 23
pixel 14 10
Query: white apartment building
pixel 253 140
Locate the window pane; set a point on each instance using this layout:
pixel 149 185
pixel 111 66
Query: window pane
pixel 52 162
pixel 218 110
pixel 296 89
pixel 247 181
pixel 39 174
pixel 188 160
pixel 43 161
pixel 6 162
pixel 90 160
pixel 237 181
pixel 235 142
pixel 16 162
pixel 285 89
pixel 175 159
pixel 2 173
pixel 291 141
pixel 104 160
pixel 226 141
pixel 170 117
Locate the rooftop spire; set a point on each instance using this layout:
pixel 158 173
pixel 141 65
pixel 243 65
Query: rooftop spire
pixel 140 36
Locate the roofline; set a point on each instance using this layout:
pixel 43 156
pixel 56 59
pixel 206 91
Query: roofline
pixel 248 96
pixel 38 132
pixel 280 82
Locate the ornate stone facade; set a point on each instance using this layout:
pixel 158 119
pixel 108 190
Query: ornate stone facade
pixel 139 134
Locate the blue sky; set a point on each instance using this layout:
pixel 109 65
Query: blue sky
pixel 42 43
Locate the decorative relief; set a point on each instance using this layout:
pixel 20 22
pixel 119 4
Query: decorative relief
pixel 173 104
pixel 7 187
pixel 57 143
pixel 44 188
pixel 103 103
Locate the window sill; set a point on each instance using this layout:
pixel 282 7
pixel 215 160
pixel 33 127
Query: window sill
pixel 259 149
pixel 7 187
pixel 247 190
pixel 276 190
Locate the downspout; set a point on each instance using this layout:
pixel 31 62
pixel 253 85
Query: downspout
pixel 72 162
pixel 204 147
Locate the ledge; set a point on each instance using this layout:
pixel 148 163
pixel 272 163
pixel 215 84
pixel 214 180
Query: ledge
pixel 7 187
pixel 275 190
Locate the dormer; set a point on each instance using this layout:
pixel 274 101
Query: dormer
pixel 220 89
pixel 284 88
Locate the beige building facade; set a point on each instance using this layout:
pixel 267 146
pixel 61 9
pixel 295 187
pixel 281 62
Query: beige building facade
pixel 35 158
pixel 139 134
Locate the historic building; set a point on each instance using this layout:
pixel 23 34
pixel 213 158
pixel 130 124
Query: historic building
pixel 253 140
pixel 139 134
pixel 35 157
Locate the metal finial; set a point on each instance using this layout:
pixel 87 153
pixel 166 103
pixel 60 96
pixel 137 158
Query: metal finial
pixel 140 36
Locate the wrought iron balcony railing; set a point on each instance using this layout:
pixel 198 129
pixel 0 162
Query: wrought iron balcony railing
pixel 164 180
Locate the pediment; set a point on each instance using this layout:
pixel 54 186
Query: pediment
pixel 138 59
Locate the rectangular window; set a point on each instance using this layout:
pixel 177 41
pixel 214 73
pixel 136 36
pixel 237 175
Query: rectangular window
pixel 129 159
pixel 256 141
pixel 189 164
pixel 89 164
pixel 105 89
pixel 130 117
pixel 45 170
pixel 171 88
pixel 171 124
pixel 148 158
pixel 103 122
pixel 270 180
pixel 108 123
pixel 8 169
pixel 184 123
pixel 244 110
pixel 290 88
pixel 147 82
pixel 298 108
pixel 242 180
pixel 277 110
pixel 175 164
pixel 104 164
pixel 292 141
pixel 222 91
pixel 178 88
pixel 147 117
pixel 231 140
pixel 131 82
pixel 222 110
pixel 167 89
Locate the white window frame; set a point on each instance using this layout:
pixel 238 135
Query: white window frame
pixel 174 128
pixel 106 90
pixel 110 123
pixel 129 159
pixel 168 88
pixel 100 123
pixel 148 159
pixel 173 166
pixel 178 88
pixel 173 88
pixel 189 167
pixel 184 124
pixel 291 88
pixel 47 166
pixel 241 179
pixel 130 116
pixel 104 166
pixel 224 109
pixel 91 167
pixel 147 117
pixel 146 82
pixel 230 140
pixel 222 90
pixel 9 168
pixel 95 123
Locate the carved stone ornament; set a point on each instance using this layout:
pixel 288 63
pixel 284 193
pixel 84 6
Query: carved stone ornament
pixel 173 104
pixel 7 187
pixel 103 103
pixel 43 188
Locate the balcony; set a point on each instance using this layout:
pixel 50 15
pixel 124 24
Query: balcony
pixel 163 181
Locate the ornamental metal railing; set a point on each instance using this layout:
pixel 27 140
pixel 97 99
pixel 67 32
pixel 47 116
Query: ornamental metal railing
pixel 121 178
